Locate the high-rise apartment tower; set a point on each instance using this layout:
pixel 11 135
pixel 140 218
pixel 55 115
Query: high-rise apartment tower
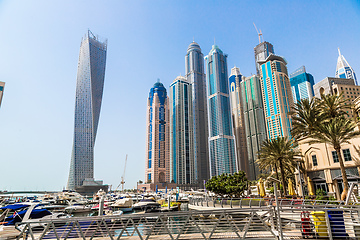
pixel 238 120
pixel 277 96
pixel 182 169
pixel 221 138
pixel 89 91
pixel 157 141
pixel 194 68
pixel 262 51
pixel 253 110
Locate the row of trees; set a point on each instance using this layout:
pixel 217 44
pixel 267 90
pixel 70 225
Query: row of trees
pixel 322 120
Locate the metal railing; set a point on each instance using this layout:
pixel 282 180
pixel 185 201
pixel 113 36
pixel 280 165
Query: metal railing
pixel 292 222
pixel 216 202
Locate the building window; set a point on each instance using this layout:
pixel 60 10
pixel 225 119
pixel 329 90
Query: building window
pixel 347 155
pixel 314 159
pixel 335 156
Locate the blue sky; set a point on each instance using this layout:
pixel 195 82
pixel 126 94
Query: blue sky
pixel 147 39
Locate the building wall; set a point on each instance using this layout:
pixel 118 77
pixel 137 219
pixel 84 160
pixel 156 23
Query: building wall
pixel 324 86
pixel 350 93
pixel 194 68
pixel 221 138
pixel 254 119
pixel 2 87
pixel 182 165
pixel 277 97
pixel 89 90
pixel 324 171
pixel 157 145
pixel 238 120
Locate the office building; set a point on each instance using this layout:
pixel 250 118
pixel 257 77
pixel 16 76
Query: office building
pixel 235 80
pixel 2 86
pixel 194 69
pixel 302 84
pixel 277 96
pixel 182 169
pixel 324 86
pixel 343 69
pixel 89 91
pixel 221 138
pixel 254 119
pixel 262 51
pixel 157 141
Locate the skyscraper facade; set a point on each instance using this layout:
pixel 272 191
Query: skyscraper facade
pixel 277 96
pixel 235 80
pixel 221 138
pixel 262 51
pixel 2 86
pixel 89 91
pixel 157 143
pixel 182 169
pixel 302 84
pixel 254 119
pixel 343 69
pixel 194 68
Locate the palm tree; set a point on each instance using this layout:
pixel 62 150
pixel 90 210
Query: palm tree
pixel 279 151
pixel 324 121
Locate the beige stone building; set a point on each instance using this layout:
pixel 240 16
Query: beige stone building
pixel 322 165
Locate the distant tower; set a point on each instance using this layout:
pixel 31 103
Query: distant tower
pixel 343 69
pixel 253 110
pixel 157 144
pixel 194 68
pixel 221 138
pixel 277 96
pixel 2 86
pixel 302 84
pixel 238 120
pixel 89 91
pixel 182 168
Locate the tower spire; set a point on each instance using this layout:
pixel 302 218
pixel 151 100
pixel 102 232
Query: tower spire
pixel 339 51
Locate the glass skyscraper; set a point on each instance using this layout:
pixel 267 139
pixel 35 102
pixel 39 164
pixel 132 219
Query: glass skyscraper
pixel 343 69
pixel 221 138
pixel 89 91
pixel 302 84
pixel 157 141
pixel 2 86
pixel 194 68
pixel 238 120
pixel 277 96
pixel 255 130
pixel 182 169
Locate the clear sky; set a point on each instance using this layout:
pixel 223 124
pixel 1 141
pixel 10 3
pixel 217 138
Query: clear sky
pixel 147 39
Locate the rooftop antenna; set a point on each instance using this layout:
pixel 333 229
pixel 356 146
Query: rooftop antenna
pixel 158 80
pixel 259 33
pixel 193 39
pixel 339 51
pixel 214 41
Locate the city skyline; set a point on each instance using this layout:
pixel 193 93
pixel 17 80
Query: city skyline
pixel 36 115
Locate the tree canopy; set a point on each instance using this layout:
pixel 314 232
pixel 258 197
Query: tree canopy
pixel 231 185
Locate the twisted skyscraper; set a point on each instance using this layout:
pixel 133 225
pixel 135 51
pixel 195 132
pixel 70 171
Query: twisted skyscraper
pixel 89 91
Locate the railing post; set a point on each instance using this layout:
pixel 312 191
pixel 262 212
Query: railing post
pixel 230 202
pixel 278 214
pixel 240 203
pixel 222 200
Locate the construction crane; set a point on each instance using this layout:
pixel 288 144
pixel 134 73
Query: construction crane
pixel 259 33
pixel 122 183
